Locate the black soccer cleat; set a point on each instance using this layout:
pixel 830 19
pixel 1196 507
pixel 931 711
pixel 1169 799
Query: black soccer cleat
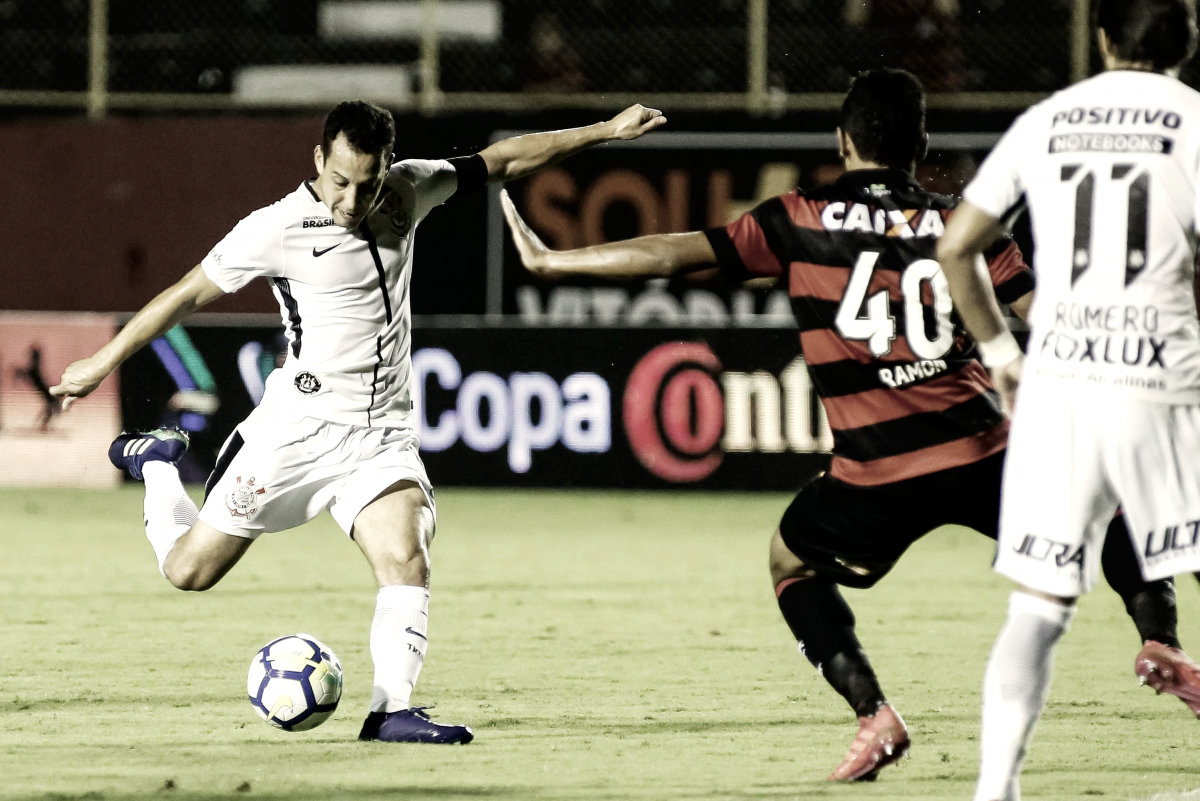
pixel 412 726
pixel 130 452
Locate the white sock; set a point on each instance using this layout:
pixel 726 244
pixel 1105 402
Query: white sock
pixel 1015 687
pixel 398 644
pixel 168 511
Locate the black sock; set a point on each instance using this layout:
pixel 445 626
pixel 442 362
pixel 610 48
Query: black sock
pixel 1151 604
pixel 823 624
pixel 1153 612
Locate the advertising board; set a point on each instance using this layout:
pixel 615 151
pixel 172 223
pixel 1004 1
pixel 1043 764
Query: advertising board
pixel 39 445
pixel 508 406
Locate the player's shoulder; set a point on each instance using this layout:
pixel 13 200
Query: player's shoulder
pixel 280 214
pixel 414 171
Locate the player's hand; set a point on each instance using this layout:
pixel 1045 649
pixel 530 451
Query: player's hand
pixel 79 380
pixel 1006 378
pixel 635 121
pixel 534 253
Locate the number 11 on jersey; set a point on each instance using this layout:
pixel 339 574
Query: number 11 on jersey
pixel 1137 221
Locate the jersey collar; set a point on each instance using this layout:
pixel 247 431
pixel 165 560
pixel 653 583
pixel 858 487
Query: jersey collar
pixel 893 179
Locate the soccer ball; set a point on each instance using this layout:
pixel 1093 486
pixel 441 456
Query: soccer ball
pixel 295 682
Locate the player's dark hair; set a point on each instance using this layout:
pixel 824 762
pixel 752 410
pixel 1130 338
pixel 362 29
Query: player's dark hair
pixel 367 127
pixel 884 116
pixel 1159 32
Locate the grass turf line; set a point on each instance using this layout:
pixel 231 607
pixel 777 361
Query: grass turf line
pixel 604 645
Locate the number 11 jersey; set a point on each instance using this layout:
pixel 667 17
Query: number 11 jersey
pixel 889 358
pixel 1109 170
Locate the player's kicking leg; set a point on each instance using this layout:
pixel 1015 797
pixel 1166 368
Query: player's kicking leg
pixel 394 532
pixel 191 554
pixel 823 625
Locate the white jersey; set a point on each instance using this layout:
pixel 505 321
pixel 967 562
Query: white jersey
pixel 343 294
pixel 1110 169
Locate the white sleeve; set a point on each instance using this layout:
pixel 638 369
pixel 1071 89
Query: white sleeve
pixel 998 187
pixel 251 249
pixel 432 182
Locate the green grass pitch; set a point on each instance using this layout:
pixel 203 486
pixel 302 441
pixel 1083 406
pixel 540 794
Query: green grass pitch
pixel 603 645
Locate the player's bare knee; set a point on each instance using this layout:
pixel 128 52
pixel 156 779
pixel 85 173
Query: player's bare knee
pixel 405 551
pixel 784 564
pixel 394 532
pixel 189 576
pixel 404 561
pixel 401 557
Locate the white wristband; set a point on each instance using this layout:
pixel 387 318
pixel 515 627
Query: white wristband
pixel 999 351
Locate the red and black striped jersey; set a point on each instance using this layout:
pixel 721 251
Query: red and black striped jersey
pixel 895 369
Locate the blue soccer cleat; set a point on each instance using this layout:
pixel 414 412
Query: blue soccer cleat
pixel 130 452
pixel 413 726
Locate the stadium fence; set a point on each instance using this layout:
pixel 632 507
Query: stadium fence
pixel 434 56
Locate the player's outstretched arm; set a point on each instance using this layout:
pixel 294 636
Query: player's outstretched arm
pixel 960 252
pixel 157 317
pixel 514 158
pixel 655 256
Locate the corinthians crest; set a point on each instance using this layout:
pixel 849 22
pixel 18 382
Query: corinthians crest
pixel 399 218
pixel 307 384
pixel 243 501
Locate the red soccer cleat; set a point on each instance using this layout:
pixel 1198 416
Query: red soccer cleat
pixel 1169 670
pixel 882 739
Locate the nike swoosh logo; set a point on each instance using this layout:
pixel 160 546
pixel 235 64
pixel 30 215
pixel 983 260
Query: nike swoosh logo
pixel 409 629
pixel 317 253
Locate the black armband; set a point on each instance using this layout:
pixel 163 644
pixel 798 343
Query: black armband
pixel 472 173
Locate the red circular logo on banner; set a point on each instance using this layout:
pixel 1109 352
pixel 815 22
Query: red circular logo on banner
pixel 674 412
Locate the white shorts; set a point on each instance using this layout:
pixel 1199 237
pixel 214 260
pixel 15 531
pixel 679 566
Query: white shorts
pixel 277 472
pixel 1072 460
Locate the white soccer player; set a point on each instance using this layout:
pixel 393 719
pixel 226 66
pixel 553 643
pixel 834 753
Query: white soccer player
pixel 1108 412
pixel 335 428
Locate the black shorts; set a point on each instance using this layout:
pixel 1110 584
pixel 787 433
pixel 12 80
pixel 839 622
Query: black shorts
pixel 853 535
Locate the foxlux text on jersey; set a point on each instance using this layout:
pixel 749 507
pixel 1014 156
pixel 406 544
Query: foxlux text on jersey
pixel 1105 349
pixel 1109 345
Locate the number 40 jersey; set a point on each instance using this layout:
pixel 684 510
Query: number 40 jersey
pixel 895 371
pixel 1109 170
